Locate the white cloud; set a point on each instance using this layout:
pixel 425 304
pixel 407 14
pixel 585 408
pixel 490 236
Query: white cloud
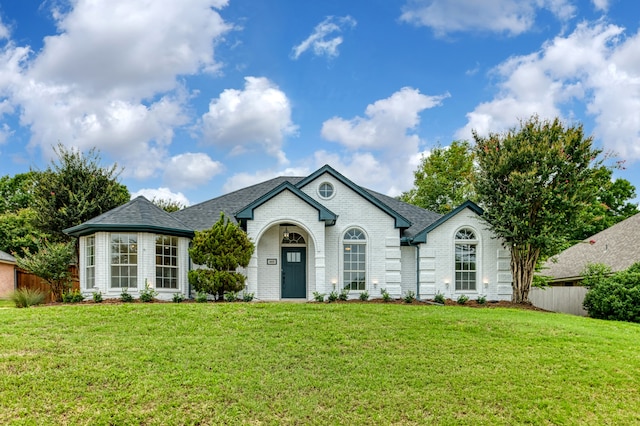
pixel 162 193
pixel 602 5
pixel 595 64
pixel 509 16
pixel 260 114
pixel 4 30
pixel 389 129
pixel 386 124
pixel 325 38
pixel 190 169
pixel 5 133
pixel 126 49
pixel 110 77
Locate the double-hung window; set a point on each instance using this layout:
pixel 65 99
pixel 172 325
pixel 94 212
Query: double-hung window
pixel 90 262
pixel 166 261
pixel 124 260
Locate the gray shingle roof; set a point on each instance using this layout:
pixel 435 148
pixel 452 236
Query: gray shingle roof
pixel 616 246
pixel 6 257
pixel 138 214
pixel 204 215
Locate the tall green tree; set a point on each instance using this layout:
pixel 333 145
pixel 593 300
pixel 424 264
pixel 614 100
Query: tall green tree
pixel 18 228
pixel 610 206
pixel 51 263
pixel 17 192
pixel 168 205
pixel 222 249
pixel 74 189
pixel 18 232
pixel 444 179
pixel 534 181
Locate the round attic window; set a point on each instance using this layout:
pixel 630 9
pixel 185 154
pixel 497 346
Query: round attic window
pixel 325 190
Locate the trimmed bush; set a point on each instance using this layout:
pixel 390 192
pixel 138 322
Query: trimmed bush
pixel 613 297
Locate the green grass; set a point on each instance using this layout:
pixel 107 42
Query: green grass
pixel 278 363
pixel 6 303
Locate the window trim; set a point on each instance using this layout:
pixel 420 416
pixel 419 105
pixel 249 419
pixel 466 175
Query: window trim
pixel 162 266
pixel 129 278
pixel 90 262
pixel 322 193
pixel 466 236
pixel 361 242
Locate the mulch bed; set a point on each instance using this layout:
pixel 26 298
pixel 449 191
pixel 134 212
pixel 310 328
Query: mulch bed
pixel 448 302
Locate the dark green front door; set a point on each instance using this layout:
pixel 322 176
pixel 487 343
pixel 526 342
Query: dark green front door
pixel 294 280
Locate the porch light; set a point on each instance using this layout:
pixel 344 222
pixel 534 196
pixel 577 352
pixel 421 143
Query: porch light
pixel 446 282
pixel 486 282
pixel 285 234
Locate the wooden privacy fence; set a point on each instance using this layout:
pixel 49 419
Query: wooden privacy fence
pixel 559 299
pixel 27 280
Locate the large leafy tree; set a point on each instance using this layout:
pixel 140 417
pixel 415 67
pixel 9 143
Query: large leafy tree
pixel 51 263
pixel 17 217
pixel 74 189
pixel 611 205
pixel 444 179
pixel 222 249
pixel 19 233
pixel 534 182
pixel 16 192
pixel 168 205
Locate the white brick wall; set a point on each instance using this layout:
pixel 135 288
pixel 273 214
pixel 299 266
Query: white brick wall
pixel 264 230
pixel 437 265
pixel 324 244
pixel 146 266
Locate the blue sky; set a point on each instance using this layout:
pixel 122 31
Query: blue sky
pixel 196 98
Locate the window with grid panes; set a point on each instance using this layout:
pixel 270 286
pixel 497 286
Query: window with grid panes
pixel 354 260
pixel 90 262
pixel 166 261
pixel 466 260
pixel 124 260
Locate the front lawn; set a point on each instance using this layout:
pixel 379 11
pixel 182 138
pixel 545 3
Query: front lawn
pixel 281 363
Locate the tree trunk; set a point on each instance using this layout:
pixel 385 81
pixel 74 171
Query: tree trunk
pixel 523 263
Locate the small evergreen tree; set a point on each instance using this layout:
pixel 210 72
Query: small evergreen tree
pixel 222 250
pixel 51 263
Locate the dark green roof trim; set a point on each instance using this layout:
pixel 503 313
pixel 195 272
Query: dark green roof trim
pixel 88 229
pixel 400 221
pixel 421 237
pixel 323 213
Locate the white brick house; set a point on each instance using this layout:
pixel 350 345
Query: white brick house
pixel 316 233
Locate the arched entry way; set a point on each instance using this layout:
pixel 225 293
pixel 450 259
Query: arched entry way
pixel 293 280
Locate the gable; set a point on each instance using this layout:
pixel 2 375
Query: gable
pixel 324 214
pixel 421 237
pixel 399 220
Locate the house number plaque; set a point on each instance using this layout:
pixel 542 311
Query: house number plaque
pixel 272 261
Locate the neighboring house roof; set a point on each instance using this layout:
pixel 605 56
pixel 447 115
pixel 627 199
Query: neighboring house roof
pixel 421 237
pixel 616 246
pixel 6 257
pixel 323 213
pixel 139 215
